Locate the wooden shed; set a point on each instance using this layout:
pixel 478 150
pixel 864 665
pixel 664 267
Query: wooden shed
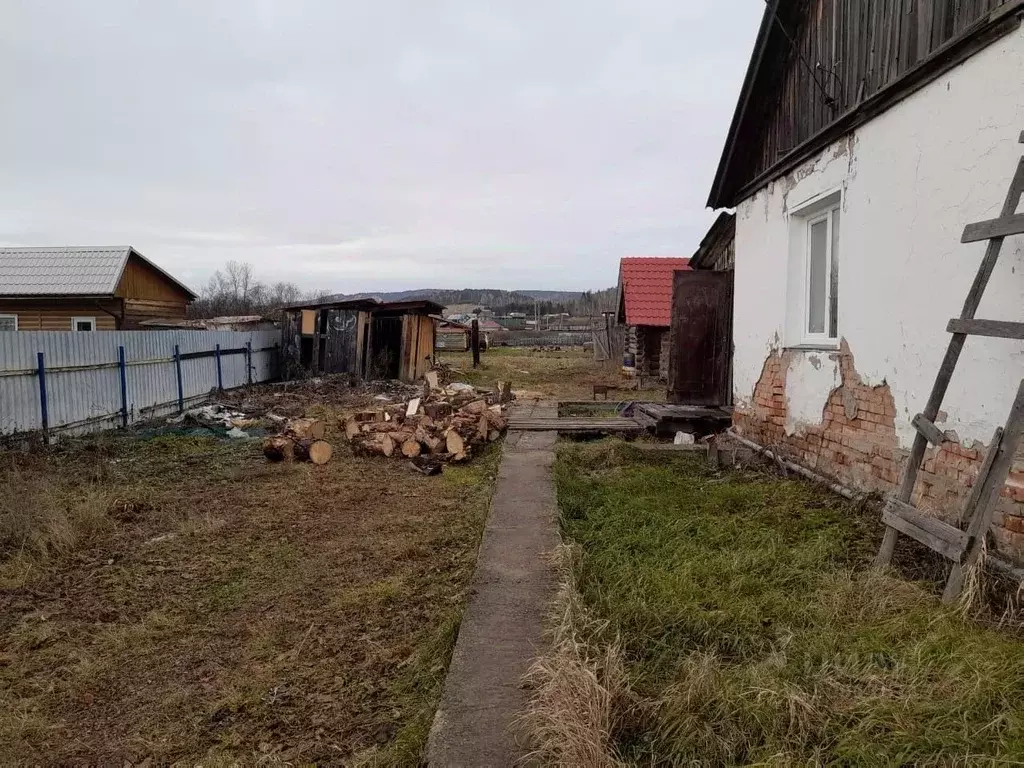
pixel 362 337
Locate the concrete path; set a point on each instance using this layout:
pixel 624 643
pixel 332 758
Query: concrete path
pixel 501 630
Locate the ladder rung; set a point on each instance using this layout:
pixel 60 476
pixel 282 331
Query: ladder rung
pixel 999 329
pixel 931 433
pixel 934 534
pixel 986 230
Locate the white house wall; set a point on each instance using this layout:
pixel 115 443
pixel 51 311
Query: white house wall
pixel 908 182
pixel 910 179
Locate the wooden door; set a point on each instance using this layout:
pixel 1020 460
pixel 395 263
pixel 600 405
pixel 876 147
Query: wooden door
pixel 701 342
pixel 342 335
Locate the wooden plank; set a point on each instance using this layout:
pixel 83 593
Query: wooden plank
pixel 925 427
pixel 934 534
pixel 988 496
pixel 925 16
pixel 967 511
pixel 985 230
pixel 997 329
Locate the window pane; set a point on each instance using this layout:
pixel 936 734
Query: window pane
pixel 7 323
pixel 833 297
pixel 816 278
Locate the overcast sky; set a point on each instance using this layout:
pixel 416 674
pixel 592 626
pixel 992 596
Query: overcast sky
pixel 372 145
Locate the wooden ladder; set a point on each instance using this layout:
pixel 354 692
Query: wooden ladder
pixel 963 547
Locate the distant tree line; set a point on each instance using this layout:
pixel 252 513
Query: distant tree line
pixel 235 291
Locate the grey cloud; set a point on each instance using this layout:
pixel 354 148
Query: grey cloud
pixel 361 145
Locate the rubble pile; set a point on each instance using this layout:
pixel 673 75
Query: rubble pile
pixel 443 423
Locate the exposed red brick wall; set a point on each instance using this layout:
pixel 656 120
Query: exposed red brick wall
pixel 856 445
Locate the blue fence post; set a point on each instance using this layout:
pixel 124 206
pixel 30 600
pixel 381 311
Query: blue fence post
pixel 41 367
pixel 122 369
pixel 177 367
pixel 220 374
pixel 248 361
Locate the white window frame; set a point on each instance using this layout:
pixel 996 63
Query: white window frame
pixel 10 317
pixel 807 337
pixel 83 319
pixel 800 218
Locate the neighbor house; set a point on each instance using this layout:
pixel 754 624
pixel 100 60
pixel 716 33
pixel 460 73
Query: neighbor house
pixel 644 301
pixel 453 336
pixel 361 337
pixel 85 289
pixel 861 145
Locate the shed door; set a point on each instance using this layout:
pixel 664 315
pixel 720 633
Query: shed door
pixel 701 340
pixel 342 333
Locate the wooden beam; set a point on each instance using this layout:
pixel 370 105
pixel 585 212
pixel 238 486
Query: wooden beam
pixel 997 329
pixel 992 484
pixel 986 230
pixel 934 534
pixel 931 433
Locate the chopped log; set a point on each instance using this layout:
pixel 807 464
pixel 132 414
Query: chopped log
pixel 454 442
pixel 412 407
pixel 426 421
pixel 506 392
pixel 305 429
pixel 279 448
pixel 411 448
pixel 376 415
pixel 374 444
pixel 315 451
pixel 351 428
pixel 493 435
pixel 433 380
pixel 461 456
pixel 437 410
pixel 475 407
pixel 483 428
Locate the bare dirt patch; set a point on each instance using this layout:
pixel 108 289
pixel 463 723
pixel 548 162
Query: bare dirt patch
pixel 188 601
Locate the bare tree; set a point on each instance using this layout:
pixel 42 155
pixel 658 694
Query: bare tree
pixel 235 291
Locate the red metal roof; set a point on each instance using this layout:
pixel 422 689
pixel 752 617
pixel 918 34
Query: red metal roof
pixel 646 285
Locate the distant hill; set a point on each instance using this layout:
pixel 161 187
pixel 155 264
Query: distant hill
pixel 497 299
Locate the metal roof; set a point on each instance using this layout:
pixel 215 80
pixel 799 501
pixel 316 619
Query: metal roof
pixel 68 271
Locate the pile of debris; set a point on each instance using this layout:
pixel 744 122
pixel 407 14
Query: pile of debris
pixel 300 440
pixel 444 423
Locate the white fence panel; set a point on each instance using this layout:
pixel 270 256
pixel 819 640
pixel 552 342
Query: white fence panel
pixel 82 374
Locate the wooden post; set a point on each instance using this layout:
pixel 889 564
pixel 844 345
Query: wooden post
pixel 474 341
pixel 248 361
pixel 123 371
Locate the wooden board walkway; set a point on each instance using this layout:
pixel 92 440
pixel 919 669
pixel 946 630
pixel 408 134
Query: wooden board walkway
pixel 577 425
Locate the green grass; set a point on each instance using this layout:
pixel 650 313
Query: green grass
pixel 752 632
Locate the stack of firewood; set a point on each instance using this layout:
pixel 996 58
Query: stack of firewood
pixel 300 440
pixel 445 424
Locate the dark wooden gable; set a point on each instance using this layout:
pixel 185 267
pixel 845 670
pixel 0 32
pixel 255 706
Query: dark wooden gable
pixel 822 67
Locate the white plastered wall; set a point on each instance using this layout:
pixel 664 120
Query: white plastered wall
pixel 910 180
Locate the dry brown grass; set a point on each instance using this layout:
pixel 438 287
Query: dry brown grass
pixel 580 692
pixel 550 374
pixel 178 599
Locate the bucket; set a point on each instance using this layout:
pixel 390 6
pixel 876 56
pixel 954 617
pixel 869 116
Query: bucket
pixel 629 360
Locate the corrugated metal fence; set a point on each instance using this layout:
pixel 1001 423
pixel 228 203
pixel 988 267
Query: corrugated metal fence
pixel 83 382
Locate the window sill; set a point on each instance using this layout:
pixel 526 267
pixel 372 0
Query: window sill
pixel 821 346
